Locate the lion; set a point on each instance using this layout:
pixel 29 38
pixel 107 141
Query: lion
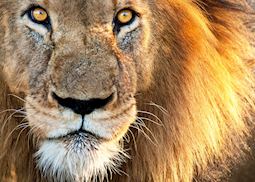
pixel 141 90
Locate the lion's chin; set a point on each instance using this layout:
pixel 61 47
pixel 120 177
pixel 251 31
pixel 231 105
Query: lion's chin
pixel 78 157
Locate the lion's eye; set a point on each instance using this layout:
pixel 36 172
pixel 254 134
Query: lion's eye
pixel 39 15
pixel 125 16
pixel 126 20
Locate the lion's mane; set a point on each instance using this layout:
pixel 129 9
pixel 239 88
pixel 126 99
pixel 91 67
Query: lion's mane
pixel 203 89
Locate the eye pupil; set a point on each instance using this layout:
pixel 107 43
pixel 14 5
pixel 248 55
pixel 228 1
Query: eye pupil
pixel 39 14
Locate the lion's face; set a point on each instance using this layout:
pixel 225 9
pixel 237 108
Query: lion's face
pixel 80 64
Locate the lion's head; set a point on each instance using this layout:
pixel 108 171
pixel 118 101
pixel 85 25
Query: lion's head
pixel 88 72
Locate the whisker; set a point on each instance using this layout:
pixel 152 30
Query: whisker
pixel 23 100
pixel 17 140
pixel 9 135
pixel 8 119
pixel 152 121
pixel 133 136
pixel 30 136
pixel 151 114
pixel 143 132
pixel 19 98
pixel 35 132
pixel 161 108
pixel 142 124
pixel 20 81
pixel 20 116
pixel 126 138
pixel 10 110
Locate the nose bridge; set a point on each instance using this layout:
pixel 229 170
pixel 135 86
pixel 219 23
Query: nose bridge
pixel 84 35
pixel 94 41
pixel 84 68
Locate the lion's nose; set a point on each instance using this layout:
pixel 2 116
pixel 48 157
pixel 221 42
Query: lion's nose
pixel 82 107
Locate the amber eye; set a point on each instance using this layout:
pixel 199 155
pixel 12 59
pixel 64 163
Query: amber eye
pixel 125 16
pixel 39 14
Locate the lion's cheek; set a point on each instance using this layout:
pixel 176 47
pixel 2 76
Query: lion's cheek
pixel 17 78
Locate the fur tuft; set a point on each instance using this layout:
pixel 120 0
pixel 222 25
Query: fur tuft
pixel 61 163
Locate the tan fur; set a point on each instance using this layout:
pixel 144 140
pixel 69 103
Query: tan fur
pixel 190 71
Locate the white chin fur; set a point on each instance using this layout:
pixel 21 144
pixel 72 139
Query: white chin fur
pixel 59 163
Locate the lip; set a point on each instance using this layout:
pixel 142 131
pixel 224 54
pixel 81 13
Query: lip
pixel 77 133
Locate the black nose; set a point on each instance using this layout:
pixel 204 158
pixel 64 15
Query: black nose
pixel 82 107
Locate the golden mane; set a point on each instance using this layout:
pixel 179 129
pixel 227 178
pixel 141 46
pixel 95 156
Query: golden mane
pixel 204 61
pixel 203 94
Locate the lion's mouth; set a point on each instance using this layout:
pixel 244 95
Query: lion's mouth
pixel 77 134
pixel 79 140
